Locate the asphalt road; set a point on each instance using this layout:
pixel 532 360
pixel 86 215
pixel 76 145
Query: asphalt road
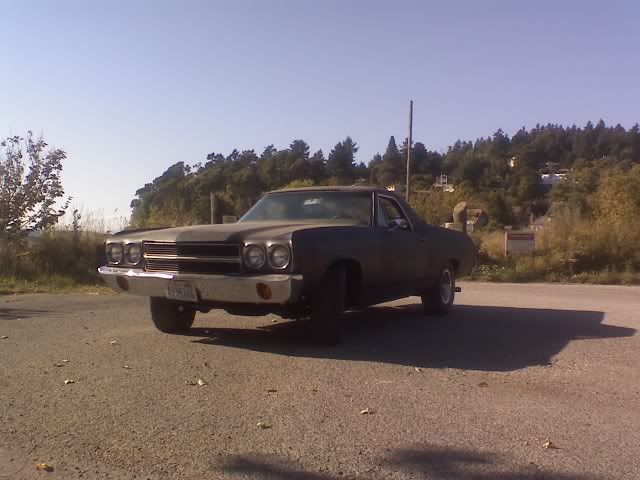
pixel 471 396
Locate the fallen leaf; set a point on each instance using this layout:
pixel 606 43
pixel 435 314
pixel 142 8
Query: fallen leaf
pixel 65 360
pixel 417 369
pixel 113 342
pixel 59 364
pixel 367 411
pixel 4 336
pixel 263 425
pixel 67 382
pixel 126 367
pixel 44 466
pixel 483 384
pixel 199 382
pixel 549 444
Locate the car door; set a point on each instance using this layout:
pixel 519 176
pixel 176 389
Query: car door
pixel 403 249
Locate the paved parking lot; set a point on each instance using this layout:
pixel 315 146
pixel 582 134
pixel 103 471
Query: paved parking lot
pixel 472 396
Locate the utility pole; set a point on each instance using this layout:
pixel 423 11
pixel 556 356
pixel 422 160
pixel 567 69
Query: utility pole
pixel 409 141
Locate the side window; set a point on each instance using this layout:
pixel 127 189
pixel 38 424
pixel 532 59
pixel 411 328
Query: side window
pixel 392 213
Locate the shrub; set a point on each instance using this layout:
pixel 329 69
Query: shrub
pixel 56 253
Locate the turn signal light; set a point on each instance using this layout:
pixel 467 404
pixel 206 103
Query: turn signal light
pixel 263 290
pixel 123 283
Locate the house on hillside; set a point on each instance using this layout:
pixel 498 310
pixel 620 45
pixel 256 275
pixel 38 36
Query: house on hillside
pixel 444 183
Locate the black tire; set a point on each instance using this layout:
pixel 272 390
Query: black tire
pixel 328 304
pixel 171 317
pixel 438 299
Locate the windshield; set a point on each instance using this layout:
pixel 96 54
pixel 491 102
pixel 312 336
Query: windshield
pixel 313 205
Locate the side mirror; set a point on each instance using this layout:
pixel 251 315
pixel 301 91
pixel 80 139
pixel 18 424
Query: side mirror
pixel 399 224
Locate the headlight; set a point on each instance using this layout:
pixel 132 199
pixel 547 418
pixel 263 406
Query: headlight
pixel 134 253
pixel 279 257
pixel 254 256
pixel 114 252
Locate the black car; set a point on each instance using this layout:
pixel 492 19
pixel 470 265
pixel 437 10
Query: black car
pixel 311 252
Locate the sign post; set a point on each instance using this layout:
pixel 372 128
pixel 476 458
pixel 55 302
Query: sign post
pixel 519 242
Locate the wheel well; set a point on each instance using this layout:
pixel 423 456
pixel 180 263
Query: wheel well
pixel 456 265
pixel 354 280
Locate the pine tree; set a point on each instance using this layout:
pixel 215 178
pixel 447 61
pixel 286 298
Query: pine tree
pixel 341 162
pixel 392 167
pixel 318 168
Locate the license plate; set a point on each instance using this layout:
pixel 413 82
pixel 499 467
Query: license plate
pixel 182 291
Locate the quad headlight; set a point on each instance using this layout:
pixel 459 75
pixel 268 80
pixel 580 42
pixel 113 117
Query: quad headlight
pixel 119 254
pixel 279 257
pixel 134 253
pixel 254 256
pixel 115 252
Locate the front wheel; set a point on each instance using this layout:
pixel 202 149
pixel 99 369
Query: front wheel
pixel 171 317
pixel 438 299
pixel 328 304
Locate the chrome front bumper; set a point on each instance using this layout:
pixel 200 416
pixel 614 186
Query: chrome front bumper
pixel 285 288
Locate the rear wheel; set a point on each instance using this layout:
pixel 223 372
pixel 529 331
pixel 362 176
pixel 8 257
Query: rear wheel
pixel 438 299
pixel 328 304
pixel 171 317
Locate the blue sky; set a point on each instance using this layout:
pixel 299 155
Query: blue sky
pixel 128 88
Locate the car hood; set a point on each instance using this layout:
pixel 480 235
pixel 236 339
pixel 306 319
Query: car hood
pixel 228 232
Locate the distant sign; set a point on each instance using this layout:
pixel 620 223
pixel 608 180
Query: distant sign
pixel 519 242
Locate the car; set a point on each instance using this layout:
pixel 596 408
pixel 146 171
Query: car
pixel 311 252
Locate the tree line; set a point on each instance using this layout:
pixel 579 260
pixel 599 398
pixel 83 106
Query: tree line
pixel 499 172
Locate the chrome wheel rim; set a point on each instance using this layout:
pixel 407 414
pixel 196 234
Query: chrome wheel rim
pixel 446 286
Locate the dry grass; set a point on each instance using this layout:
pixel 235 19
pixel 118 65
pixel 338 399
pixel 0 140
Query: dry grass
pixel 59 260
pixel 573 249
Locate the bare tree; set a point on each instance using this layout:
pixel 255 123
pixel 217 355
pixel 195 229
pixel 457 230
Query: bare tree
pixel 30 186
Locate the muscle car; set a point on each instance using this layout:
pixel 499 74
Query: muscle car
pixel 300 253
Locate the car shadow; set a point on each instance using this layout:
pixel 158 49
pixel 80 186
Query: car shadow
pixel 425 462
pixel 483 338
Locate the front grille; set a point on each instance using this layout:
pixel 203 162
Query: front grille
pixel 160 248
pixel 153 265
pixel 192 257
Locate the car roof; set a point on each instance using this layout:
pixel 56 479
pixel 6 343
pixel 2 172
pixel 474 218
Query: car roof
pixel 340 188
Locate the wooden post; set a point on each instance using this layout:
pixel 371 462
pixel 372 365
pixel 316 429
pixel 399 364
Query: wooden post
pixel 409 141
pixel 214 207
